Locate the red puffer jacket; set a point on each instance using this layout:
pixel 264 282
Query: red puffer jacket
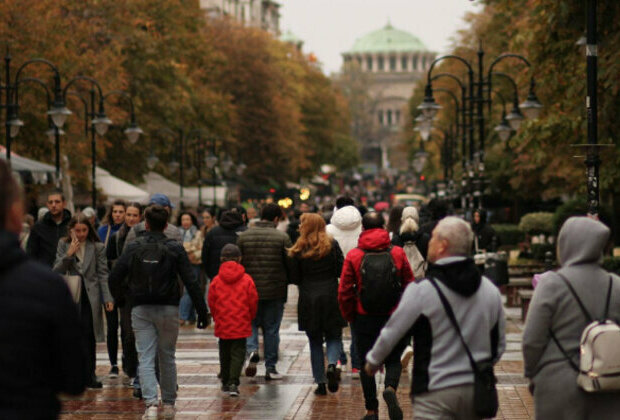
pixel 350 279
pixel 233 301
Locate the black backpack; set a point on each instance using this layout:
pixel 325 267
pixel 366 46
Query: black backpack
pixel 152 271
pixel 381 286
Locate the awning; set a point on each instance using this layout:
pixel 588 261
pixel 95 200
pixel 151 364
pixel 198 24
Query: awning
pixel 115 188
pixel 31 170
pixel 156 183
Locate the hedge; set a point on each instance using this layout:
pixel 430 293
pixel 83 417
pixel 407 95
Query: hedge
pixel 509 234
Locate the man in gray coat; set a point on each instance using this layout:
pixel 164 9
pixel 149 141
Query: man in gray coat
pixel 443 380
pixel 553 308
pixel 265 259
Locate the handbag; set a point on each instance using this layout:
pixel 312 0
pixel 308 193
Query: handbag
pixel 74 282
pixel 485 394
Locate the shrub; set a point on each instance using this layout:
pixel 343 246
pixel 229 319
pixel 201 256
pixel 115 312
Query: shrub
pixel 537 223
pixel 509 234
pixel 612 264
pixel 539 251
pixel 577 208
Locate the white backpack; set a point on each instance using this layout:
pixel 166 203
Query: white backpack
pixel 599 349
pixel 416 260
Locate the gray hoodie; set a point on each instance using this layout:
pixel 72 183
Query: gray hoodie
pixel 580 248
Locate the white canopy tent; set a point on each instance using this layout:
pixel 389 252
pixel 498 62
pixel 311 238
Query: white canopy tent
pixel 156 183
pixel 41 173
pixel 115 188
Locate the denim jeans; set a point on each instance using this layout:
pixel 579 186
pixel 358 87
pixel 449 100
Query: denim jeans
pixel 355 363
pixel 186 306
pixel 156 328
pixel 269 317
pixel 317 357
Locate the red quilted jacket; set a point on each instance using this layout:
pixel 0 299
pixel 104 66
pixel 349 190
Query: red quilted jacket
pixel 233 301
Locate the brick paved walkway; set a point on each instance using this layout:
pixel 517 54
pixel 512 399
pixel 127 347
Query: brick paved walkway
pixel 199 394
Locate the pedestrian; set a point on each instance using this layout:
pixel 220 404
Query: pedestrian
pixel 409 238
pixel 316 266
pixel 374 275
pixel 345 226
pixel 443 374
pixel 233 301
pixel 263 248
pixel 91 215
pixel 192 242
pixel 113 220
pixel 171 231
pixel 151 264
pixel 555 322
pixel 394 220
pixel 80 253
pixel 226 232
pixel 133 214
pixel 40 354
pixel 46 233
pixel 27 226
pixel 485 238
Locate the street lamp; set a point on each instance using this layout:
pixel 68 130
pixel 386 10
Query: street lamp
pixel 152 160
pixel 419 160
pixel 428 106
pixel 531 107
pixel 133 131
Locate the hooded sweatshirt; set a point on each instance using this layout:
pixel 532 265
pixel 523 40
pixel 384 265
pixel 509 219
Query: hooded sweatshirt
pixel 227 232
pixel 345 226
pixel 440 358
pixel 233 301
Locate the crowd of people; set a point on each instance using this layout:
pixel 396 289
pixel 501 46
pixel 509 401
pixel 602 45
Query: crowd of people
pixel 403 280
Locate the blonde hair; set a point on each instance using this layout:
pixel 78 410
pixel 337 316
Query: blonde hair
pixel 313 240
pixel 410 220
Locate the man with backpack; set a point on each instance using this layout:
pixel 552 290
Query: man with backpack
pixel 152 264
pixel 374 276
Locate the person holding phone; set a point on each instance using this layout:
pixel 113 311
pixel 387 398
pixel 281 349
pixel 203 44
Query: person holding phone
pixel 81 253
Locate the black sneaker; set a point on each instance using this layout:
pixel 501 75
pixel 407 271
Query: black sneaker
pixel 272 374
pixel 113 372
pixel 394 410
pixel 371 417
pixel 225 388
pixel 320 390
pixel 233 390
pixel 250 369
pixel 137 393
pixel 332 378
pixel 95 384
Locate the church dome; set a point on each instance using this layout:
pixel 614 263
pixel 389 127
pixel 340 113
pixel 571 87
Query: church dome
pixel 387 39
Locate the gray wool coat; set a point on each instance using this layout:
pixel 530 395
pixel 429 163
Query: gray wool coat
pixel 556 395
pixel 94 272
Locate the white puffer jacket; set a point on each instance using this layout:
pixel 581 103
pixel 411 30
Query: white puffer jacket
pixel 345 227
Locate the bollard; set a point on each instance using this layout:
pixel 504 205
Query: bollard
pixel 548 261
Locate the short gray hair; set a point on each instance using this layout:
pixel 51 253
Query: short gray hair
pixel 457 233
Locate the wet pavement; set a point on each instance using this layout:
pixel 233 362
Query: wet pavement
pixel 199 395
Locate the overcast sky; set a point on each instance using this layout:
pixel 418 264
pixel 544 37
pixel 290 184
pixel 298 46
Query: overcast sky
pixel 330 27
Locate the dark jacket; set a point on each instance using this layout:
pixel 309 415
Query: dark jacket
pixel 484 234
pixel 264 257
pixel 40 350
pixel 420 240
pixel 103 232
pixel 44 238
pixel 227 232
pixel 317 306
pixel 182 268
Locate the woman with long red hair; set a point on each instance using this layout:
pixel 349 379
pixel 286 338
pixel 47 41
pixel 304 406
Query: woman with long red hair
pixel 316 261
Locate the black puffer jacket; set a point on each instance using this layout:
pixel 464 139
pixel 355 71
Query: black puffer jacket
pixel 227 232
pixel 40 351
pixel 420 239
pixel 264 257
pixel 44 237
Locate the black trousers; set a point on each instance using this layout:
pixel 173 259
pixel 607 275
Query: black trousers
pixel 130 355
pixel 232 357
pixel 112 334
pixel 366 329
pixel 89 345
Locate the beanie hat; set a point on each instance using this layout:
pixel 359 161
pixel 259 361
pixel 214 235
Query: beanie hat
pixel 230 251
pixel 410 211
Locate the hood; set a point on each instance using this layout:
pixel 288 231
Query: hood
pixel 374 239
pixel 231 220
pixel 347 218
pixel 231 272
pixel 66 216
pixel 483 220
pixel 460 276
pixel 581 240
pixel 10 252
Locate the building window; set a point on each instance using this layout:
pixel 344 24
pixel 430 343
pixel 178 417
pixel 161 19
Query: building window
pixel 369 63
pixel 415 62
pixel 380 114
pixel 359 61
pixel 424 62
pixel 392 63
pixel 403 63
pixel 397 116
pixel 380 64
pixel 389 117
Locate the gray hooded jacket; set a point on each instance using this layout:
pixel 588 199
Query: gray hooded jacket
pixel 580 246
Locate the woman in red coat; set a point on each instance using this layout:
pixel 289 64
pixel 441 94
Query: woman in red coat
pixel 233 301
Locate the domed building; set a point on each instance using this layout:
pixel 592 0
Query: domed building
pixel 394 61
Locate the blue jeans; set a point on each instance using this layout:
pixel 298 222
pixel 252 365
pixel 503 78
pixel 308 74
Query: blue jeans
pixel 269 317
pixel 186 306
pixel 317 357
pixel 156 328
pixel 355 363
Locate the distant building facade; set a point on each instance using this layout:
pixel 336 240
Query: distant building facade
pixel 264 14
pixel 395 60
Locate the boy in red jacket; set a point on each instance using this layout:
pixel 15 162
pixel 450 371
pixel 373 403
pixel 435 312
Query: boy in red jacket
pixel 233 301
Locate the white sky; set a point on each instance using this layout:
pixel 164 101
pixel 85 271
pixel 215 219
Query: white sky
pixel 330 27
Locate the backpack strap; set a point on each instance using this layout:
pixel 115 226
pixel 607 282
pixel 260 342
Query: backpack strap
pixel 574 293
pixel 450 313
pixel 608 298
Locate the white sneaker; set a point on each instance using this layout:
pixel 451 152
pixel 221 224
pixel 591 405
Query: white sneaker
pixel 169 411
pixel 406 357
pixel 341 367
pixel 150 413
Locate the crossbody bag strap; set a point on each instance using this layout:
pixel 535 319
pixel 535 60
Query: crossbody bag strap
pixel 450 313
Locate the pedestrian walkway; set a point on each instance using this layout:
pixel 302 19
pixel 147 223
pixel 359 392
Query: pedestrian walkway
pixel 291 398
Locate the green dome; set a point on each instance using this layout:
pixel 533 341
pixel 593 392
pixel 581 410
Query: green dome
pixel 387 39
pixel 289 36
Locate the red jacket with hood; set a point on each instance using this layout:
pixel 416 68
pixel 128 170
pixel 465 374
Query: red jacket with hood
pixel 233 301
pixel 350 279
